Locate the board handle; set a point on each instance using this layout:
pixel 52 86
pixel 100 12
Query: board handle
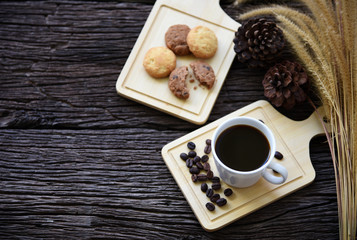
pixel 209 10
pixel 314 123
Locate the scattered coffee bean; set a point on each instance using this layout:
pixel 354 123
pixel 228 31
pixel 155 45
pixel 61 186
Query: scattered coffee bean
pixel 197 159
pixel 227 192
pixel 278 155
pixel 210 206
pixel 191 145
pixel 206 166
pixel 192 154
pixel 183 156
pixel 207 149
pixel 189 163
pixel 199 165
pixel 221 202
pixel 209 174
pixel 202 177
pixel 204 158
pixel 261 121
pixel 215 197
pixel 216 186
pixel 209 192
pixel 194 170
pixel 204 187
pixel 216 179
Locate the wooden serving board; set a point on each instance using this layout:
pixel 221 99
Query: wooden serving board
pixel 133 81
pixel 292 140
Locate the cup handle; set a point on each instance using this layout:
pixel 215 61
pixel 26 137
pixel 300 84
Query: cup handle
pixel 274 179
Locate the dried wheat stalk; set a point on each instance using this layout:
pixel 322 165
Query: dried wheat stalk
pixel 326 45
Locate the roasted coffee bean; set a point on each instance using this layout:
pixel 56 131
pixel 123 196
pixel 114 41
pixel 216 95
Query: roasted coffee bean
pixel 208 141
pixel 278 155
pixel 194 177
pixel 191 145
pixel 206 166
pixel 221 202
pixel 216 179
pixel 194 170
pixel 199 165
pixel 210 206
pixel 189 163
pixel 209 192
pixel 207 149
pixel 192 154
pixel 204 187
pixel 202 177
pixel 197 159
pixel 209 174
pixel 216 186
pixel 262 121
pixel 227 192
pixel 204 158
pixel 183 156
pixel 215 197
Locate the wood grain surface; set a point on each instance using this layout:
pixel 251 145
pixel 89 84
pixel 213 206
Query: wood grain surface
pixel 77 161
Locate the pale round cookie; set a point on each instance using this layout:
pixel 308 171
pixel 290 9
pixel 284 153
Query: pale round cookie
pixel 202 42
pixel 159 62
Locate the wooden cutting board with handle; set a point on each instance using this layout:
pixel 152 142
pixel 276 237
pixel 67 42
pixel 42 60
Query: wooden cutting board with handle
pixel 292 139
pixel 134 83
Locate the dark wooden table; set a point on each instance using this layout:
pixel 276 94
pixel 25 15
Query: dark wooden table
pixel 77 161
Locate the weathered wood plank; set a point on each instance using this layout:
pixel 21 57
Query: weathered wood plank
pixel 67 182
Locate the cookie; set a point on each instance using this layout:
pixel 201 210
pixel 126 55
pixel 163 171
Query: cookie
pixel 159 62
pixel 175 39
pixel 202 42
pixel 203 73
pixel 177 82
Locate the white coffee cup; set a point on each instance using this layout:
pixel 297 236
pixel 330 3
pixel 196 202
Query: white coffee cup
pixel 242 179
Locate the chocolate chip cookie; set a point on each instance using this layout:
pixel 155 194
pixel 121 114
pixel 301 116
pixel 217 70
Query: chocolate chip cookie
pixel 203 73
pixel 175 39
pixel 177 82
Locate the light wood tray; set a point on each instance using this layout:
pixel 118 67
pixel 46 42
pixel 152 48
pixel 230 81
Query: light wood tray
pixel 292 139
pixel 134 83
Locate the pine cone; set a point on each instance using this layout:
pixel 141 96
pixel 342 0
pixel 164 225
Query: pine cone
pixel 258 43
pixel 286 84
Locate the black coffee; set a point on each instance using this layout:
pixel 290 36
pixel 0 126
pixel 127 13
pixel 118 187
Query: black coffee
pixel 242 147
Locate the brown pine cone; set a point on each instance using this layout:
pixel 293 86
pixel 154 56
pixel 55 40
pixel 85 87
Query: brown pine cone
pixel 258 43
pixel 286 84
